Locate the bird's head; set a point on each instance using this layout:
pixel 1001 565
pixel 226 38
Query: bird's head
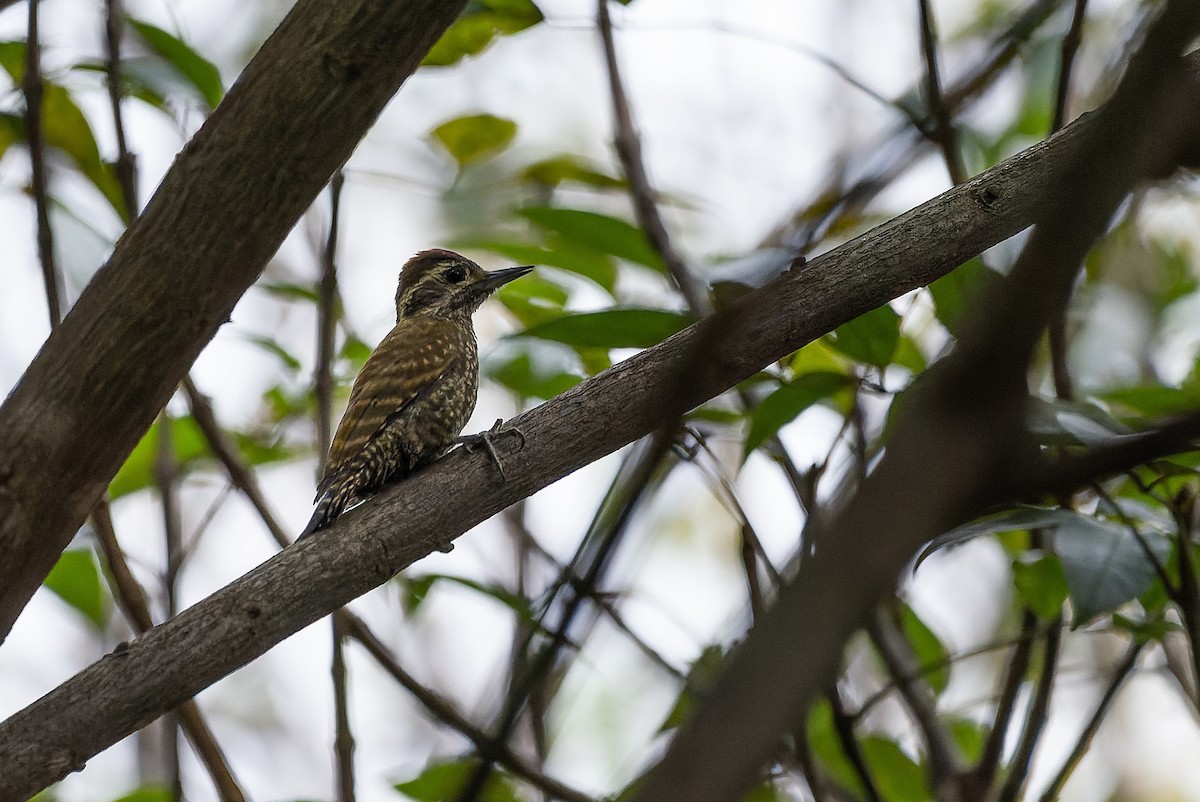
pixel 444 284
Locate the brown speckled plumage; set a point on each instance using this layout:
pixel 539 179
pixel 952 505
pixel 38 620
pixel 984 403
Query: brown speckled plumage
pixel 417 389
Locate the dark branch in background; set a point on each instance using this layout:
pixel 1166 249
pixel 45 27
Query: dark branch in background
pixel 34 137
pixel 581 579
pixel 166 480
pixel 1035 717
pixel 177 659
pixel 1070 46
pixel 943 121
pixel 129 594
pixel 1188 596
pixel 446 713
pixel 629 149
pixel 1058 325
pixel 1120 674
pixel 1064 390
pixel 225 205
pixel 946 762
pixel 1014 678
pixel 327 317
pixel 843 726
pixel 132 600
pixel 126 164
pixel 327 299
pixel 693 289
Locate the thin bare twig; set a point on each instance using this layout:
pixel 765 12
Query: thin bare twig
pixel 445 712
pixel 645 204
pixel 343 741
pixel 166 480
pixel 1070 46
pixel 1120 674
pixel 943 123
pixel 129 593
pixel 522 534
pixel 1058 325
pixel 1035 719
pixel 132 600
pixel 843 725
pixel 1014 678
pixel 126 164
pixel 803 228
pixel 946 762
pixel 39 183
pixel 1188 598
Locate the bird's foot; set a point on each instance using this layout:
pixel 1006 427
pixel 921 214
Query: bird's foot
pixel 487 442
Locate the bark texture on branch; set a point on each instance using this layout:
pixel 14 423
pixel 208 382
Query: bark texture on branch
pixel 138 682
pixel 294 116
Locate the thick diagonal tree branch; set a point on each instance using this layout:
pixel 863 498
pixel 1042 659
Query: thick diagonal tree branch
pixel 153 674
pixel 234 192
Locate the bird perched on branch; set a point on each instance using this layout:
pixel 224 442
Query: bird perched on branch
pixel 417 389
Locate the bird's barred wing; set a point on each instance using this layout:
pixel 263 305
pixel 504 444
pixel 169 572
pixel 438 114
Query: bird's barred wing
pixel 413 354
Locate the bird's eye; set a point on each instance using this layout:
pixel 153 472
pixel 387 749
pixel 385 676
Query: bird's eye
pixel 454 274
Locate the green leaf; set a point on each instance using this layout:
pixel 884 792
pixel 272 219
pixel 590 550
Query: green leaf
pixel 1148 631
pixel 12 60
pixel 443 781
pixel 784 404
pixel 12 131
pixel 1011 520
pixel 290 291
pixel 1155 400
pixel 554 171
pixel 871 338
pixel 148 793
pixel 419 586
pixel 932 657
pixel 827 748
pixel 1042 585
pixel 613 328
pixel 1104 564
pixel 197 71
pixel 276 350
pixel 520 375
pixel 68 130
pixel 261 449
pixel 534 299
pixel 599 232
pixel 765 793
pixel 818 357
pixel 971 736
pixel 138 471
pixel 1073 423
pixel 898 776
pixel 700 679
pixel 477 26
pixel 64 127
pixel 284 403
pixel 76 580
pixel 475 136
pixel 597 267
pixel 954 292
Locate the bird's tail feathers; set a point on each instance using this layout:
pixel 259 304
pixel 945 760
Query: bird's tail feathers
pixel 329 506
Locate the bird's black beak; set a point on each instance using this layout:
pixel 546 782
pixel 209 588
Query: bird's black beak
pixel 498 278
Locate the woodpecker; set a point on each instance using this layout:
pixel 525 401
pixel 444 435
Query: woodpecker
pixel 417 389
